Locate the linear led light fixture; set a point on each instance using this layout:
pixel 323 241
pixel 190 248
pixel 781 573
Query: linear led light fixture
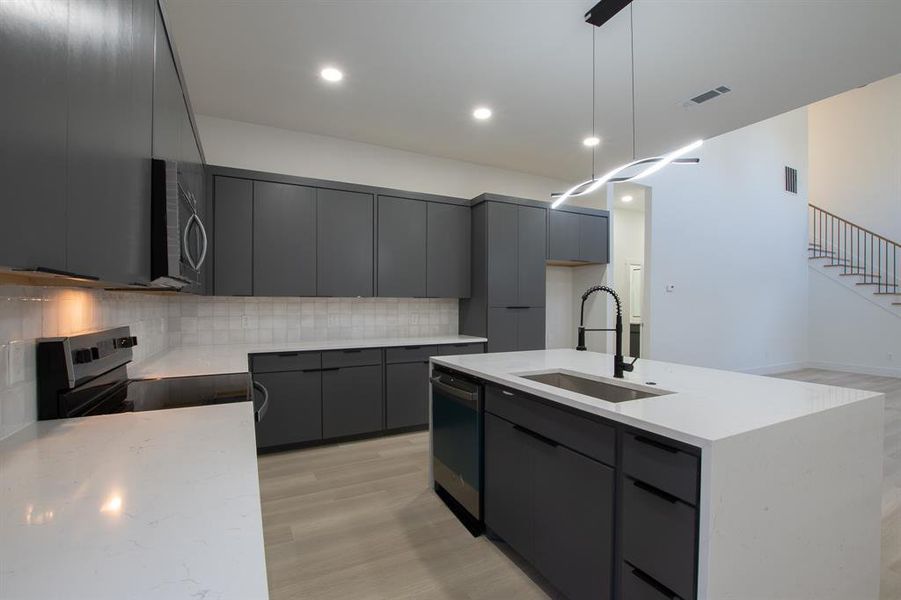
pixel 654 163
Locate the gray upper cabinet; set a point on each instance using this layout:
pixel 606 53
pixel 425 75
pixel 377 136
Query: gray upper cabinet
pixel 578 237
pixel 168 101
pixel 503 246
pixel 344 243
pixel 531 240
pixel 401 247
pixel 233 236
pixel 284 239
pixel 33 58
pixel 449 251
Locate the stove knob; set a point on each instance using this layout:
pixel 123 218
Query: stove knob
pixel 82 356
pixel 95 353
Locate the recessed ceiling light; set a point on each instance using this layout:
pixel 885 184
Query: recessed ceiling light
pixel 331 74
pixel 482 113
pixel 591 142
pixel 626 198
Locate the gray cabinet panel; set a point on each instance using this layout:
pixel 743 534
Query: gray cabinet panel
pixel 532 254
pixel 410 354
pixel 295 408
pixel 503 250
pixel 593 236
pixel 662 465
pixel 344 243
pixel 573 526
pixel 563 235
pixel 407 394
pixel 33 54
pixel 352 357
pixel 637 585
pixel 285 361
pixel 509 485
pixel 284 240
pixel 109 139
pixel 449 251
pixel 167 99
pixel 530 328
pixel 466 348
pixel 233 241
pixel 503 326
pixel 352 401
pixel 401 247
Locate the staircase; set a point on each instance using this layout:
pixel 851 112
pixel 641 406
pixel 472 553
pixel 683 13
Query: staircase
pixel 870 261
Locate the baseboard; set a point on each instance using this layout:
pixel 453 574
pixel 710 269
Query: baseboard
pixel 773 369
pixel 859 369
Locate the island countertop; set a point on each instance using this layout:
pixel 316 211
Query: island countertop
pixel 158 504
pixel 699 405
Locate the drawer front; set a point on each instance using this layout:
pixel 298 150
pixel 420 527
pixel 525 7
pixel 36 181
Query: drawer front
pixel 353 357
pixel 407 354
pixel 664 466
pixel 637 585
pixel 469 348
pixel 285 361
pixel 591 438
pixel 659 536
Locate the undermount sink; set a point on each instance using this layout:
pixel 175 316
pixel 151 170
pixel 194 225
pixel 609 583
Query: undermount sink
pixel 590 387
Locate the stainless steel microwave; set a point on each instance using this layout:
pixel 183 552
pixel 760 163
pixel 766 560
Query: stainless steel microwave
pixel 179 239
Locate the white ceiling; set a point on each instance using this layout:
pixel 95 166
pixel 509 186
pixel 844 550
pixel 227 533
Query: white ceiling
pixel 415 70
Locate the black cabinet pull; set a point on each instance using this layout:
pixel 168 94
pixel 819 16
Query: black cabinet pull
pixel 659 445
pixel 412 347
pixel 655 491
pixel 654 583
pixel 319 370
pixel 287 354
pixel 353 351
pixel 517 307
pixel 536 435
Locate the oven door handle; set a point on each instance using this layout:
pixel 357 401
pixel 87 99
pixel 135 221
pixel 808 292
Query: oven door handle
pixel 470 399
pixel 258 415
pixel 206 242
pixel 186 246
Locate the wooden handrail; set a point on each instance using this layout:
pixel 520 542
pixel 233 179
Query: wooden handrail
pixel 864 229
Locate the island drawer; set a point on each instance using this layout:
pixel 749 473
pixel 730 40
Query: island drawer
pixel 638 585
pixel 407 354
pixel 352 357
pixel 462 348
pixel 284 361
pixel 662 464
pixel 583 435
pixel 659 535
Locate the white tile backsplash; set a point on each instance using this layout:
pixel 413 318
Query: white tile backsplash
pixel 162 321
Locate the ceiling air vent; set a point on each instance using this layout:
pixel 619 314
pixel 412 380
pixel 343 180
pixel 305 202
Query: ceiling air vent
pixel 708 95
pixel 791 180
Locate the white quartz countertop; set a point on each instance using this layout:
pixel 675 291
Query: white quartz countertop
pixel 188 361
pixel 705 404
pixel 150 505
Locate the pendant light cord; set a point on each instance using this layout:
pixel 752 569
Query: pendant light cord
pixel 593 102
pixel 632 56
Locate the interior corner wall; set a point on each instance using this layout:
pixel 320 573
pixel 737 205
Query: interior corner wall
pixel 732 242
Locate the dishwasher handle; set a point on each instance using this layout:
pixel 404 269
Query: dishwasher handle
pixel 264 407
pixel 470 399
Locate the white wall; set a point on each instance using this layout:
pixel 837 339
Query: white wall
pixel 733 243
pixel 855 156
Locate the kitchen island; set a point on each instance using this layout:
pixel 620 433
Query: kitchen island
pixel 695 483
pixel 159 504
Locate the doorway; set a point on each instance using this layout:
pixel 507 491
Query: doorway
pixel 628 205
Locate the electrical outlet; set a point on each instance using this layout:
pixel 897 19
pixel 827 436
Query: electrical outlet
pixel 15 371
pixel 670 287
pixel 245 322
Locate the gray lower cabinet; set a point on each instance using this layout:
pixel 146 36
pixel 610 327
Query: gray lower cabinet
pixel 406 394
pixel 401 247
pixel 515 328
pixel 352 401
pixel 344 243
pixel 578 237
pixel 284 239
pixel 233 236
pixel 295 408
pixel 449 233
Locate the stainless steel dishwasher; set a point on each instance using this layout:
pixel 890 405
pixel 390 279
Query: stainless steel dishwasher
pixel 457 445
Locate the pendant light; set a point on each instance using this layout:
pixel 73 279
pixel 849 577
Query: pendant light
pixel 651 165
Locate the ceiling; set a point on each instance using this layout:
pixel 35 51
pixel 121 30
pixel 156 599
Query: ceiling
pixel 415 70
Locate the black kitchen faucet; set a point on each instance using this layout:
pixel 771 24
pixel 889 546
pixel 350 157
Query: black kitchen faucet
pixel 619 365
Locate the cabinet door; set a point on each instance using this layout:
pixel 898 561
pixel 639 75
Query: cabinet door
pixel 233 231
pixel 168 99
pixel 573 528
pixel 503 252
pixel 33 54
pixel 295 408
pixel 503 324
pixel 109 139
pixel 449 251
pixel 344 243
pixel 284 240
pixel 530 328
pixel 509 485
pixel 593 236
pixel 532 254
pixel 563 235
pixel 407 394
pixel 352 401
pixel 401 248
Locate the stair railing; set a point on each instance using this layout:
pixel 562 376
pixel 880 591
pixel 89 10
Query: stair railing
pixel 855 249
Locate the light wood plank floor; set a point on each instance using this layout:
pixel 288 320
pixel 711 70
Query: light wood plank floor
pixel 358 521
